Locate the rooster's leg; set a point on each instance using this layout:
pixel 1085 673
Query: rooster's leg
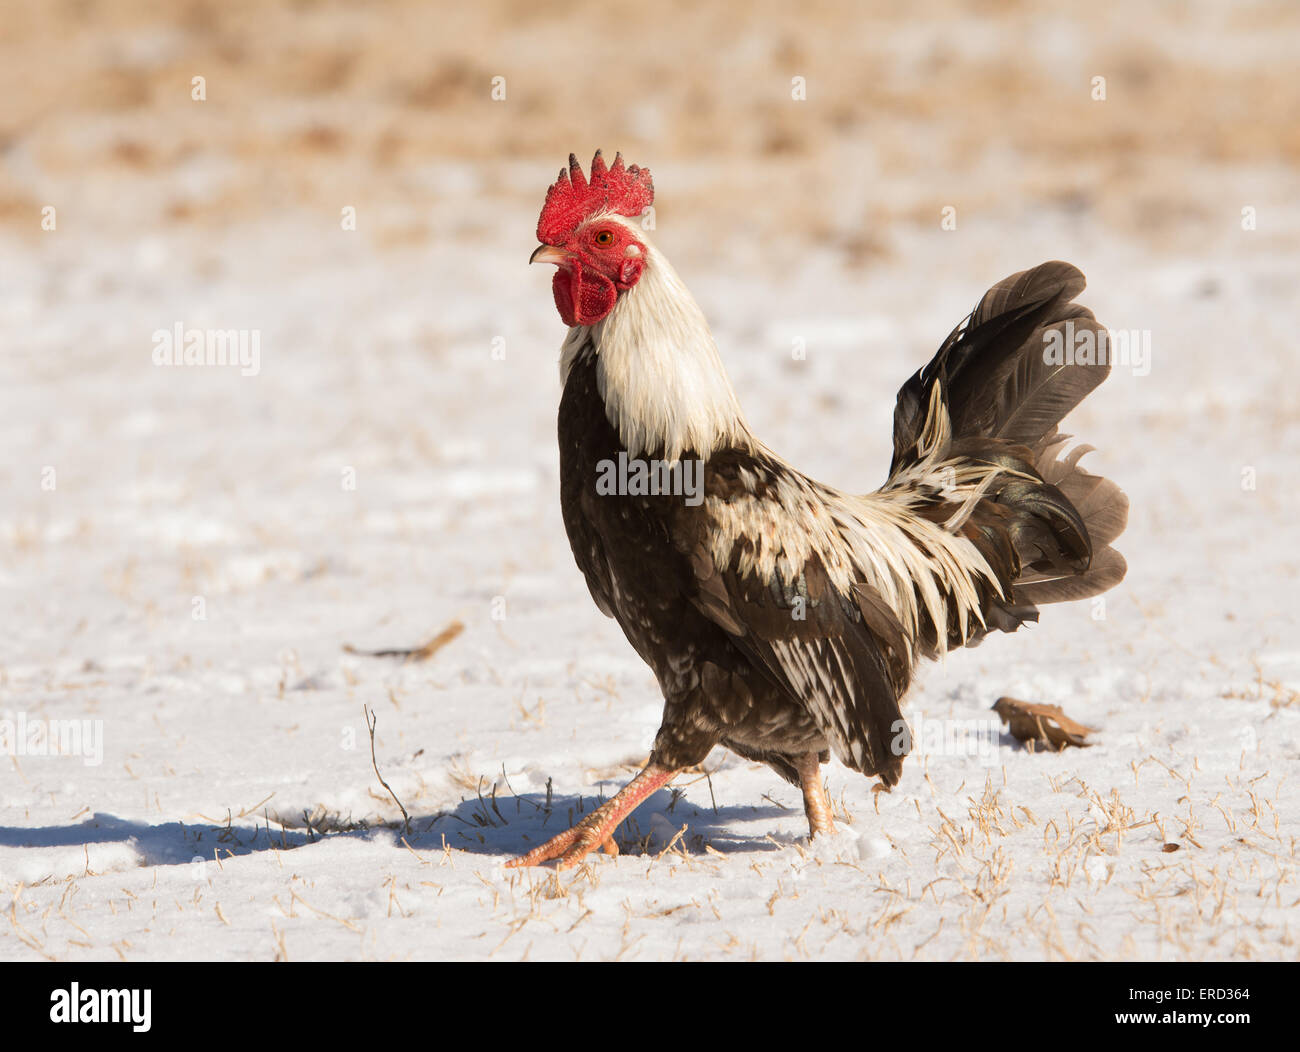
pixel 816 803
pixel 597 829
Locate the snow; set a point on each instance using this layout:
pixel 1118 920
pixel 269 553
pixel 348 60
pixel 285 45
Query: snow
pixel 205 544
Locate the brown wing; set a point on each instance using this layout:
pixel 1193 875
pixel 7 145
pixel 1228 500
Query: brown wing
pixel 837 655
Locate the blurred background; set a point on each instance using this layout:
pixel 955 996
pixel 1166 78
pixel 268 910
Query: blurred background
pixel 978 103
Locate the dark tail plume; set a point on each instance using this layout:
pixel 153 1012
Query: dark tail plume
pixel 1007 376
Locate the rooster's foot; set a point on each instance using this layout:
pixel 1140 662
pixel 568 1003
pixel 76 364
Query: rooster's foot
pixel 597 829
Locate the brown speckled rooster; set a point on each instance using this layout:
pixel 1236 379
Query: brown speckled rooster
pixel 783 618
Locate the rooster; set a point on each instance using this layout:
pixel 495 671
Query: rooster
pixel 783 618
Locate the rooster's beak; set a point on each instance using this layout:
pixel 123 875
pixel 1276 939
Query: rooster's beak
pixel 547 254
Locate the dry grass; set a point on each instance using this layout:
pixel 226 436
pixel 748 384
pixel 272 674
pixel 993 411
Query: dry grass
pixel 1211 876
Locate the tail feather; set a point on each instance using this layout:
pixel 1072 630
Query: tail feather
pixel 1103 507
pixel 1044 524
pixel 997 381
pixel 1101 504
pixel 1105 572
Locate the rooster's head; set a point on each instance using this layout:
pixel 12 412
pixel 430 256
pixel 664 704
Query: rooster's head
pixel 598 255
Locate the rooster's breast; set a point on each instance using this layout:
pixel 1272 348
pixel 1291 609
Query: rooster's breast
pixel 621 542
pixel 638 574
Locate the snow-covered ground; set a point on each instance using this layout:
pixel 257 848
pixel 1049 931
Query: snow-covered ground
pixel 185 552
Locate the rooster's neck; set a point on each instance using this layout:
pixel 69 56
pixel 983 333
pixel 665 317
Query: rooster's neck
pixel 665 390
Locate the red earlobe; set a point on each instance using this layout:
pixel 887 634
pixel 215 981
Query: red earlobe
pixel 630 273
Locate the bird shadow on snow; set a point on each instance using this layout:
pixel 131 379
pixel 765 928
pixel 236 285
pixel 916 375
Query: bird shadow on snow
pixel 515 824
pixel 165 844
pixel 502 825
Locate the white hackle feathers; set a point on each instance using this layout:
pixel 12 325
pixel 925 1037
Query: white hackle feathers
pixel 665 389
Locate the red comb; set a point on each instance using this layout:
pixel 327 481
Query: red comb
pixel 573 197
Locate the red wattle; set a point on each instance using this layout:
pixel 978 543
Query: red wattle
pixel 582 296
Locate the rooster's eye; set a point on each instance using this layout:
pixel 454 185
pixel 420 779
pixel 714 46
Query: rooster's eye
pixel 604 239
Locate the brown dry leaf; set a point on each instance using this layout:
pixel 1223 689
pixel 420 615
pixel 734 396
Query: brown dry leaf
pixel 1041 723
pixel 416 653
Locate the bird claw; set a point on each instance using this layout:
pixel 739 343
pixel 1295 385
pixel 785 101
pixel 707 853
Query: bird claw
pixel 597 829
pixel 569 847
